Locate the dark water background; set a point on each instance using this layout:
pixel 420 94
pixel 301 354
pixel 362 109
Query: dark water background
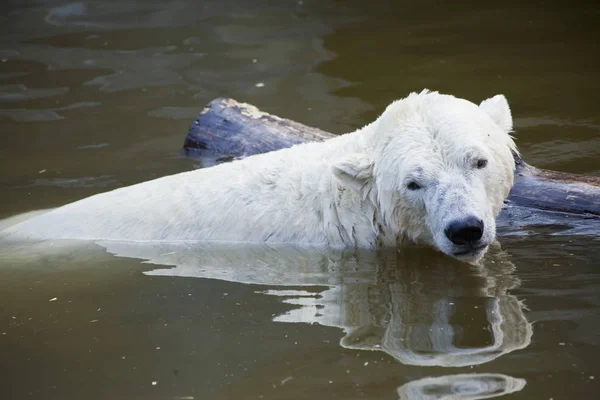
pixel 95 95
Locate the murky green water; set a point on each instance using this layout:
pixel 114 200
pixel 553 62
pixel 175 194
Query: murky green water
pixel 96 95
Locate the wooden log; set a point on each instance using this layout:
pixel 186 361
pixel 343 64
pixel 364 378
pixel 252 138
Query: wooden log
pixel 568 203
pixel 227 130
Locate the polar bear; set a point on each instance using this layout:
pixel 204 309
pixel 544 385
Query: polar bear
pixel 432 170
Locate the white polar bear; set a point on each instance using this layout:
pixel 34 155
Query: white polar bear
pixel 432 169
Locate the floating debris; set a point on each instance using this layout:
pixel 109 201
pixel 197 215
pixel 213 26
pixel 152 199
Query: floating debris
pixel 289 378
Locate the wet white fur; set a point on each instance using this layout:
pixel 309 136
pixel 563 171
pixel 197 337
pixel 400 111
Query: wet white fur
pixel 347 191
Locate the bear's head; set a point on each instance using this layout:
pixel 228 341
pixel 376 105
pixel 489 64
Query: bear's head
pixel 437 170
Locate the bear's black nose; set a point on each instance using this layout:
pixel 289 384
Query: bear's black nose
pixel 465 231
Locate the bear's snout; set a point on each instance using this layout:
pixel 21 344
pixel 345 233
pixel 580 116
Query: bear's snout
pixel 465 232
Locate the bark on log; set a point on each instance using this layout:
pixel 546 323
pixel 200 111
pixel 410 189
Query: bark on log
pixel 568 203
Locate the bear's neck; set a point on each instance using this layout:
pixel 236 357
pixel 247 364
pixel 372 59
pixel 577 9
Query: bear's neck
pixel 349 216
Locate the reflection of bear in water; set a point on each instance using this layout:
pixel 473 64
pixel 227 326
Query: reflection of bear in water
pixel 460 387
pixel 428 312
pixel 419 306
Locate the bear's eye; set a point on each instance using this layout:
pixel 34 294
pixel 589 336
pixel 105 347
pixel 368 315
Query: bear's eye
pixel 412 185
pixel 482 163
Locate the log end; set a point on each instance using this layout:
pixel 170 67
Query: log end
pixel 227 129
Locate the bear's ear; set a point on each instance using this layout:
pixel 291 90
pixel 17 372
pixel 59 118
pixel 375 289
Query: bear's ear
pixel 497 108
pixel 354 171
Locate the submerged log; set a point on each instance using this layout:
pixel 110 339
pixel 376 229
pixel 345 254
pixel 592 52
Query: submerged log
pixel 555 201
